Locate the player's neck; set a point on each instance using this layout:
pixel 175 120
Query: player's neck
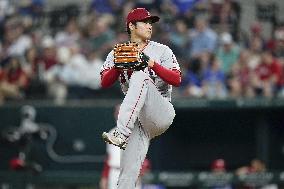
pixel 141 43
pixel 138 40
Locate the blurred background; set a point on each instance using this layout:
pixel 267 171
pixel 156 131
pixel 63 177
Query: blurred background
pixel 229 128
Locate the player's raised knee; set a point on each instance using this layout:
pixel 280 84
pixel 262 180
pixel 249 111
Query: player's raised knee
pixel 168 120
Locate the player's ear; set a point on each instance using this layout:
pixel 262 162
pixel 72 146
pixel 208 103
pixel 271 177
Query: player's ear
pixel 131 26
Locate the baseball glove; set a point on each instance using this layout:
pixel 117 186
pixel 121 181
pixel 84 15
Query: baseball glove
pixel 128 57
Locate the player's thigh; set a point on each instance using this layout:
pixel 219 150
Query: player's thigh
pixel 157 113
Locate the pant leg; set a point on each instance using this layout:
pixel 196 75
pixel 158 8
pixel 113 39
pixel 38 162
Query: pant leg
pixel 133 157
pixel 157 114
pixel 133 102
pixel 113 178
pixel 144 100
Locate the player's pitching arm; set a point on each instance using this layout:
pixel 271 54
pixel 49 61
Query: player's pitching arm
pixel 169 69
pixel 172 77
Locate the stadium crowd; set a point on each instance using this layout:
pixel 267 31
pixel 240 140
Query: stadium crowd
pixel 57 54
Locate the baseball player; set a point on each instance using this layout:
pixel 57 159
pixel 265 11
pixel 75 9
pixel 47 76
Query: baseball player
pixel 146 110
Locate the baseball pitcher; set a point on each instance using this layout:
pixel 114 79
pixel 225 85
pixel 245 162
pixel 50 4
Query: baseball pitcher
pixel 147 70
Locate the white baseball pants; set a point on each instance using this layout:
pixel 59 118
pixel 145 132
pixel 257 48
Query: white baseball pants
pixel 144 114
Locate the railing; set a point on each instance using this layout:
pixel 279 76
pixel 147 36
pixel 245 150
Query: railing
pixel 167 179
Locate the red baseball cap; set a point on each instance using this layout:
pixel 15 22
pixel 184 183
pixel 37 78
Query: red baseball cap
pixel 218 164
pixel 140 14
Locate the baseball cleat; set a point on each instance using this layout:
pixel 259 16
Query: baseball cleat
pixel 116 138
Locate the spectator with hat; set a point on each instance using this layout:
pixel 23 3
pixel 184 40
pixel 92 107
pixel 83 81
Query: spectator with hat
pixel 227 53
pixel 218 166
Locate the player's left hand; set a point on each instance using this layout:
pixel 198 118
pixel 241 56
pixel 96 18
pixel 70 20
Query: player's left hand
pixel 128 57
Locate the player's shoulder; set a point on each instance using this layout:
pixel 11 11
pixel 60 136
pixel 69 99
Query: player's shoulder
pixel 159 45
pixel 110 54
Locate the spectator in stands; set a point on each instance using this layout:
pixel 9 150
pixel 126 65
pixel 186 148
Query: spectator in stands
pixel 184 6
pixel 152 5
pixel 30 65
pixel 32 8
pixel 100 35
pixel 281 90
pixel 168 11
pixel 227 53
pixel 255 50
pixel 107 6
pixel 82 75
pixel 16 42
pixel 225 16
pixel 69 36
pixel 256 32
pixel 193 80
pixel 48 56
pixel 73 73
pixel 30 62
pixel 13 80
pixel 255 166
pixel 214 11
pixel 230 16
pixel 214 82
pixel 6 8
pixel 277 43
pixel 234 81
pixel 178 39
pixel 203 38
pixel 92 75
pixel 268 76
pixel 240 77
pixel 56 87
pixel 218 167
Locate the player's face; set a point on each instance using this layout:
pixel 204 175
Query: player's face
pixel 143 30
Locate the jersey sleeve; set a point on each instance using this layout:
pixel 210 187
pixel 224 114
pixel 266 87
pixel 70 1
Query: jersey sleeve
pixel 169 60
pixel 109 62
